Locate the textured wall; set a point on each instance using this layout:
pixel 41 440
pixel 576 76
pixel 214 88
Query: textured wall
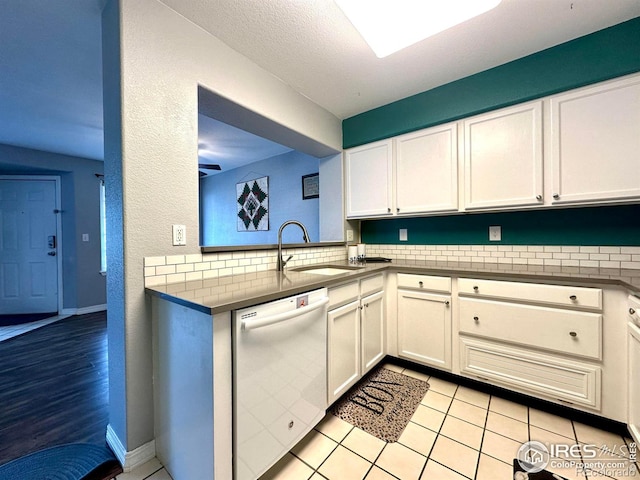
pixel 154 61
pixel 606 54
pixel 219 208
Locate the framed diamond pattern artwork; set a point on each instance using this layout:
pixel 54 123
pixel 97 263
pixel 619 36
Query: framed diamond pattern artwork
pixel 253 205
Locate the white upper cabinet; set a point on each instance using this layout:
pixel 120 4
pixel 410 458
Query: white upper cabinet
pixel 368 173
pixel 587 153
pixel 503 158
pixel 595 143
pixel 426 170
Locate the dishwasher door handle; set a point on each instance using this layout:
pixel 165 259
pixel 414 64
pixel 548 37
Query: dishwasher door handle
pixel 281 317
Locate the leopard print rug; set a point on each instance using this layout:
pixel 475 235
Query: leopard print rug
pixel 382 403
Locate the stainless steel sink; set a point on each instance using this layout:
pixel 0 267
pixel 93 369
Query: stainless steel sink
pixel 325 269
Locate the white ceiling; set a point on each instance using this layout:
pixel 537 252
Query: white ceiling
pixel 50 57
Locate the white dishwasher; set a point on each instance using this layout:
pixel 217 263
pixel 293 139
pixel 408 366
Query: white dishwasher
pixel 280 378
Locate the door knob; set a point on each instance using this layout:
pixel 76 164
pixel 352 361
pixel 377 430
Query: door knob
pixel 51 254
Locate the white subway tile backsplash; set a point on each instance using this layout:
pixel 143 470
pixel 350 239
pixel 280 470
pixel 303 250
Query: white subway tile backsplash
pixel 154 261
pixel 174 259
pixel 165 269
pixel 609 264
pixel 620 257
pixel 184 267
pixel 203 267
pixel 176 277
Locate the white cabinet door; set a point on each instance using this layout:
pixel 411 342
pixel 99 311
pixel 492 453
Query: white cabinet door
pixel 424 328
pixel 343 349
pixel 503 158
pixel 426 170
pixel 633 404
pixel 372 321
pixel 596 143
pixel 368 171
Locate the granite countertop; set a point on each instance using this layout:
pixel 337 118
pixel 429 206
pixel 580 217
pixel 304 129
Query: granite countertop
pixel 222 294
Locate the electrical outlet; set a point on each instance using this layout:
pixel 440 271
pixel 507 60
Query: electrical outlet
pixel 179 235
pixel 349 235
pixel 402 234
pixel 85 237
pixel 495 233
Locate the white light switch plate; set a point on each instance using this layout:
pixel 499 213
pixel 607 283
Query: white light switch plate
pixel 403 234
pixel 349 235
pixel 495 233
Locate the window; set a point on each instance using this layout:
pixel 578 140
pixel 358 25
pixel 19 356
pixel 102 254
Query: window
pixel 103 228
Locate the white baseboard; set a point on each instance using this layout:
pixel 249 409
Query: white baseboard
pixel 135 458
pixel 83 310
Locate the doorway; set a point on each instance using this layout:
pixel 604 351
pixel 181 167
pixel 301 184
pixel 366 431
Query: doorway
pixel 30 245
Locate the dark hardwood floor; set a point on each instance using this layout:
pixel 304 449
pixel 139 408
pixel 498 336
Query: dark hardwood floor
pixel 54 386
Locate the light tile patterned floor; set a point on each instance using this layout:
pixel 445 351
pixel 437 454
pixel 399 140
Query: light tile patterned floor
pixel 456 434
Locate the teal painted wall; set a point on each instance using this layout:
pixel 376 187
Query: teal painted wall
pixel 602 55
pixel 611 225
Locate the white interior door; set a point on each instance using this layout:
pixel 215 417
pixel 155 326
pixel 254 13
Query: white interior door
pixel 28 246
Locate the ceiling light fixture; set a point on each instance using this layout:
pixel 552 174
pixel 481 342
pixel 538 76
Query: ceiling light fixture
pixel 388 26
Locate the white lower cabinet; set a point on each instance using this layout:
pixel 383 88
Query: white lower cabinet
pixel 424 319
pixel 356 329
pixel 549 376
pixel 424 328
pixel 372 323
pixel 343 348
pixel 513 338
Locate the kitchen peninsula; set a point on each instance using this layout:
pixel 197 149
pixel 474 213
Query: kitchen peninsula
pixel 193 320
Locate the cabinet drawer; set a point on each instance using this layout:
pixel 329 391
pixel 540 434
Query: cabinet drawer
pixel 564 331
pixel 372 284
pixel 533 292
pixel 343 294
pixel 424 282
pixel 543 375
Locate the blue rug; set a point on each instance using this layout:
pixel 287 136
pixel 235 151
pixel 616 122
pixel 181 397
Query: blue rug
pixel 74 461
pixel 18 319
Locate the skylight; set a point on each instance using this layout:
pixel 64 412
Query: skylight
pixel 388 26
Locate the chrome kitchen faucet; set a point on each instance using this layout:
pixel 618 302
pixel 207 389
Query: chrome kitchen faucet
pixel 305 236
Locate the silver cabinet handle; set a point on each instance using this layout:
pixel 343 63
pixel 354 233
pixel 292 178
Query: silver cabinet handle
pixel 366 305
pixel 631 311
pixel 556 196
pixel 421 284
pixel 476 319
pixel 539 197
pixel 573 334
pixel 397 209
pixel 573 298
pixel 475 288
pixel 388 209
pixel 446 303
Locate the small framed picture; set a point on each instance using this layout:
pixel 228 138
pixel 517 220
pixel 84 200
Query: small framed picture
pixel 310 186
